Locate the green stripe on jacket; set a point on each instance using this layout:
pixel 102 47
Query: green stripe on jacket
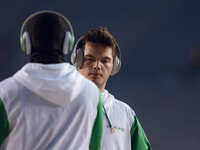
pixel 95 141
pixel 4 125
pixel 139 140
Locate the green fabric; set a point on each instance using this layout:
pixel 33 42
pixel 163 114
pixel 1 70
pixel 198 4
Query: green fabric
pixel 4 125
pixel 95 141
pixel 139 140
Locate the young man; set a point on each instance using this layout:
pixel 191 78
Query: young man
pixel 97 56
pixel 47 104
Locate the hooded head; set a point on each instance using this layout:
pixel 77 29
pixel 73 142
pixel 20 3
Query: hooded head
pixel 47 34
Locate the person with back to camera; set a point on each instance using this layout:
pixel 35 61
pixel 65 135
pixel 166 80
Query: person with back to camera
pixel 48 104
pixel 97 56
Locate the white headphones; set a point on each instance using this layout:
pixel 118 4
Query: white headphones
pixel 78 56
pixel 25 41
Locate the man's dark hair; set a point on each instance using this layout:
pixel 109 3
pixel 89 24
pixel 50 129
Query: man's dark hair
pixel 99 35
pixel 47 33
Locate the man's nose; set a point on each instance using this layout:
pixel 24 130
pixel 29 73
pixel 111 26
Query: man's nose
pixel 97 65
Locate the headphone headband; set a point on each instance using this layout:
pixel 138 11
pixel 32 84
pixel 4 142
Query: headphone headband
pixel 47 11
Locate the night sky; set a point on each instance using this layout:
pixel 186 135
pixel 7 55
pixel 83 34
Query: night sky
pixel 160 48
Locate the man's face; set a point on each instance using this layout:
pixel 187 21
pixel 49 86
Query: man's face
pixel 97 64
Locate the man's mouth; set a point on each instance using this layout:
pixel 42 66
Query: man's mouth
pixel 95 74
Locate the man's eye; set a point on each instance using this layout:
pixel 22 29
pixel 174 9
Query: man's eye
pixel 104 61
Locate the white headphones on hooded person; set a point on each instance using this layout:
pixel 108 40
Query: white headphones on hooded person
pixel 25 41
pixel 78 56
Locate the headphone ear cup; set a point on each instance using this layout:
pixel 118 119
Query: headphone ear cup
pixel 25 43
pixel 77 57
pixel 116 66
pixel 22 43
pixel 68 43
pixel 73 57
pixel 71 42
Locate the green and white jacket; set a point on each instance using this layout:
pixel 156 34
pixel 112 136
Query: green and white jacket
pixel 121 128
pixel 49 107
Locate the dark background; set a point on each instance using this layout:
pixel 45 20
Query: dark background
pixel 160 46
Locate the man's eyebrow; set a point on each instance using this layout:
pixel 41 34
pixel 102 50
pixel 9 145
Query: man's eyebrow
pixel 104 58
pixel 89 56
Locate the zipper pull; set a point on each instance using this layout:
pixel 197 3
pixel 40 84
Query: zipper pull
pixel 113 131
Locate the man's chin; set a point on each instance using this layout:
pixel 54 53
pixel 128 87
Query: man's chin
pixel 96 81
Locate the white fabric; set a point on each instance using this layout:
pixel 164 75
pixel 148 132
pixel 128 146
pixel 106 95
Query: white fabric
pixel 121 117
pixel 49 107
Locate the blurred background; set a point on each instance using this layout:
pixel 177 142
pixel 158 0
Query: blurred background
pixel 160 47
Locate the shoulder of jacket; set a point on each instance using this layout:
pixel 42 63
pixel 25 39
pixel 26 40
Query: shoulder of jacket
pixel 124 107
